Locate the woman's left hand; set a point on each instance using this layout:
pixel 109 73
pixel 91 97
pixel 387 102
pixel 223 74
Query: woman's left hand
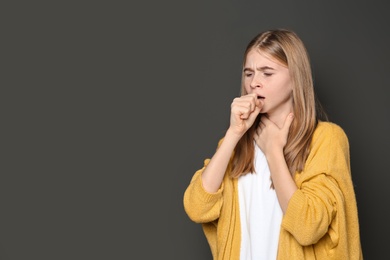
pixel 269 137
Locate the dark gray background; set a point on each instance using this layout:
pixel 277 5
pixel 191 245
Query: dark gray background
pixel 108 108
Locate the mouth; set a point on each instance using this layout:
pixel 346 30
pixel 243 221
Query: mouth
pixel 260 97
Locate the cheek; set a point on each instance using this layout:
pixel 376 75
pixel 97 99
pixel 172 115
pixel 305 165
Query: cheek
pixel 286 86
pixel 247 87
pixel 283 91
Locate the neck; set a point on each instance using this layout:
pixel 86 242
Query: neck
pixel 279 117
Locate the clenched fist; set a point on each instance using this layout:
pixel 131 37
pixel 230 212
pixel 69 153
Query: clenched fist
pixel 244 111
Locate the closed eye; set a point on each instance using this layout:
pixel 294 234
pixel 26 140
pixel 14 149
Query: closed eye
pixel 267 71
pixel 248 72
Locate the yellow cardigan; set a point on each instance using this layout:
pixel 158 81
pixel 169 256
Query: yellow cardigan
pixel 321 220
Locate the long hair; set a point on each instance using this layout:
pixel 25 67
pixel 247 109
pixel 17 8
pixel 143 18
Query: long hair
pixel 287 48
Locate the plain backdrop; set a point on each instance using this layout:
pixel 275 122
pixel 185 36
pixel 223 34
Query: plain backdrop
pixel 109 107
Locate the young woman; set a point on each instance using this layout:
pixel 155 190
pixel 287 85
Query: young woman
pixel 279 184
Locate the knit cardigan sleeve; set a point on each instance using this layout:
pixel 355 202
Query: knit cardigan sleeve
pixel 200 205
pixel 321 187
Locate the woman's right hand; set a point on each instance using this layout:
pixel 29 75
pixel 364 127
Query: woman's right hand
pixel 244 111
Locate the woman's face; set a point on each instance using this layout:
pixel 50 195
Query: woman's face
pixel 270 80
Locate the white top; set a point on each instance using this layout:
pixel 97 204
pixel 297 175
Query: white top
pixel 260 212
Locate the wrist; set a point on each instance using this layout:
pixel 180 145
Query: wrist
pixel 275 153
pixel 233 135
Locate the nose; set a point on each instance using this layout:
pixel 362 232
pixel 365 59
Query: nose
pixel 256 82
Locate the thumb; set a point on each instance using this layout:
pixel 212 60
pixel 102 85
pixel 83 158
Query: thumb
pixel 288 121
pixel 253 115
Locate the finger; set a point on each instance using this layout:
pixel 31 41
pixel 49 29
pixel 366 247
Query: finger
pixel 245 102
pixel 255 101
pixel 259 103
pixel 288 121
pixel 244 116
pixel 252 99
pixel 246 108
pixel 255 113
pixel 242 107
pixel 252 96
pixel 251 116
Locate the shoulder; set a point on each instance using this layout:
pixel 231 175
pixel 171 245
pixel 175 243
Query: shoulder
pixel 328 138
pixel 329 131
pixel 329 150
pixel 329 127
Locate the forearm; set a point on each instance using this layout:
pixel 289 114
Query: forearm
pixel 281 178
pixel 212 176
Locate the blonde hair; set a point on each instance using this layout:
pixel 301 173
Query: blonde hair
pixel 287 48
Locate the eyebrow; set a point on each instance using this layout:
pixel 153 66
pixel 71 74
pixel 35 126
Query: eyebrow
pixel 260 69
